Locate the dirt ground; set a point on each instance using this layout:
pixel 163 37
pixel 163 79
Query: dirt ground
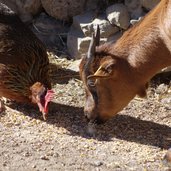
pixel 135 140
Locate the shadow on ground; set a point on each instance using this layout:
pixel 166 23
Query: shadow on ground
pixel 122 127
pixel 62 75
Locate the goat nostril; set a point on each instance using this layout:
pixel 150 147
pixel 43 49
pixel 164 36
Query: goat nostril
pixel 87 119
pixel 99 121
pixel 87 116
pixel 96 120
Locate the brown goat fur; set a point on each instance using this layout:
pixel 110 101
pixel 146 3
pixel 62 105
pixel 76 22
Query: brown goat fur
pixel 118 72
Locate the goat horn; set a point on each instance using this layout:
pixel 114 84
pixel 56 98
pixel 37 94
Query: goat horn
pixel 95 41
pixel 91 51
pixel 97 37
pixel 92 47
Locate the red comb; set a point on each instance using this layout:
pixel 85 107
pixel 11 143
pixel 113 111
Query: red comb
pixel 49 96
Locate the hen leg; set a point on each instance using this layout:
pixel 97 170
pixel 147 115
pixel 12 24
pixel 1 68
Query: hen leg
pixel 2 106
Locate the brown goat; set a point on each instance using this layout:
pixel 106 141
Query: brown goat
pixel 113 74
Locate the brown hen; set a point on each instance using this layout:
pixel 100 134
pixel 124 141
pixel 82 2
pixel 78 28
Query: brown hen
pixel 24 64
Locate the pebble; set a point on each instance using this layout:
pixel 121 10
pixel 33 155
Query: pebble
pixel 55 155
pixel 34 166
pixel 9 124
pixel 44 158
pixel 52 148
pixel 166 100
pixel 27 154
pixel 50 153
pixel 4 164
pixel 162 88
pixel 97 163
pixel 114 165
pixel 98 169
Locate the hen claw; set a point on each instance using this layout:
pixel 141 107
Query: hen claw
pixel 45 116
pixel 2 106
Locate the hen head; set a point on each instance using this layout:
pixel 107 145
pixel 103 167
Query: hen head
pixel 41 96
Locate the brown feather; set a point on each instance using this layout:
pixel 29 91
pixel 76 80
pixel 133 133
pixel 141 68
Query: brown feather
pixel 23 58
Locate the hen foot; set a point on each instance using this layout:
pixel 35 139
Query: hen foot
pixel 2 106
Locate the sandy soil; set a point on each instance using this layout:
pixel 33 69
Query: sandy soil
pixel 135 140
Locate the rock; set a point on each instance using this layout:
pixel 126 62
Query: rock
pixel 11 4
pixel 86 23
pixel 149 4
pixel 114 38
pixel 33 6
pixel 81 22
pixel 106 29
pixel 77 43
pixel 134 8
pixel 26 9
pixel 97 163
pixel 52 32
pixel 78 46
pixel 73 42
pixel 80 33
pixel 66 9
pixel 161 89
pixel 83 45
pixel 118 15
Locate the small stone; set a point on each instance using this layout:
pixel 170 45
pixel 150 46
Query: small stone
pixel 114 165
pixel 44 158
pixel 98 163
pixel 52 148
pixel 166 100
pixel 27 154
pixel 161 89
pixel 50 153
pixel 4 164
pixel 55 155
pixel 34 166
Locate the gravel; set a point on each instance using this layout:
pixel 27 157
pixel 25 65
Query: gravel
pixel 136 139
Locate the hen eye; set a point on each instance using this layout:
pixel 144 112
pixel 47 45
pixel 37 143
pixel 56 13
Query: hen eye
pixel 91 83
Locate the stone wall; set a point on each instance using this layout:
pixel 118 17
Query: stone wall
pixel 113 21
pixel 65 26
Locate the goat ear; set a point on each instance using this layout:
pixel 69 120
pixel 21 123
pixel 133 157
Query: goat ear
pixel 106 70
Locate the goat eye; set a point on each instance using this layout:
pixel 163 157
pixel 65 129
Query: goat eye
pixel 91 83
